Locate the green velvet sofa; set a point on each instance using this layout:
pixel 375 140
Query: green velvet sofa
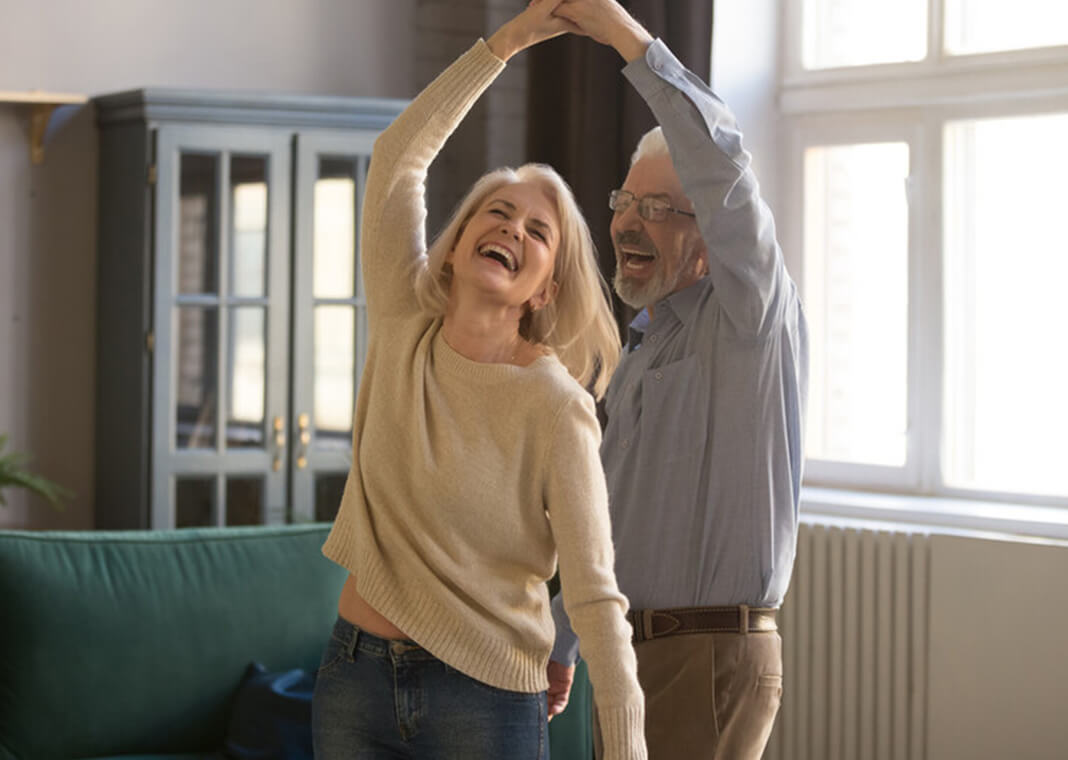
pixel 134 644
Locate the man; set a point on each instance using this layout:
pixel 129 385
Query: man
pixel 702 448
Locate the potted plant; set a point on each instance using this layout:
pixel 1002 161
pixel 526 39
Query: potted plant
pixel 13 472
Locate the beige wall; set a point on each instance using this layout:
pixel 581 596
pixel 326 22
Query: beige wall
pixel 48 213
pixel 998 666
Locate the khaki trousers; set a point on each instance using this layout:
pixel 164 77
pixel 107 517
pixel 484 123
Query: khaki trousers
pixel 708 696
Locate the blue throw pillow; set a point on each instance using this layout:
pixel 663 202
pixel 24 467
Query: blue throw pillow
pixel 271 717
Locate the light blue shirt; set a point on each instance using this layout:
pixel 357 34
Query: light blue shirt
pixel 702 449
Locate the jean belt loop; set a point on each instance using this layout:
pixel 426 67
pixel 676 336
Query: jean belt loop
pixel 355 642
pixel 743 618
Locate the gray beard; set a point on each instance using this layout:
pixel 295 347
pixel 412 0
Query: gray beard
pixel 659 286
pixel 639 295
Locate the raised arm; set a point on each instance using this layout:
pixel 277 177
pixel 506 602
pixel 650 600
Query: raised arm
pixel 744 258
pixel 393 234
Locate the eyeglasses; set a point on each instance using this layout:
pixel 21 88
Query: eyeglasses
pixel 651 208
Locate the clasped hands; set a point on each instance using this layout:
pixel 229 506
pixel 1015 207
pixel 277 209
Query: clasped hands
pixel 605 21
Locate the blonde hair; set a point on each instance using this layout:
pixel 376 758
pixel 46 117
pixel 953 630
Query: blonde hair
pixel 577 323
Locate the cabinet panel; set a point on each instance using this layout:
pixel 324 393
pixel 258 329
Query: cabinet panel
pixel 232 321
pixel 221 315
pixel 330 309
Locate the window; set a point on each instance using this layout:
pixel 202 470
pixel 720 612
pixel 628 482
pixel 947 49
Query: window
pixel 927 145
pixel 856 290
pixel 858 32
pixel 987 26
pixel 1006 264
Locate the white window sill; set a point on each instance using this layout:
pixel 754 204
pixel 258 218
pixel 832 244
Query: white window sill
pixel 929 514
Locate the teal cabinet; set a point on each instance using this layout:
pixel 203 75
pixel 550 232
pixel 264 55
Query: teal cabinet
pixel 231 319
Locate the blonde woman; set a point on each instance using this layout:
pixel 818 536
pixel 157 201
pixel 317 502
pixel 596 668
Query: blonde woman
pixel 476 467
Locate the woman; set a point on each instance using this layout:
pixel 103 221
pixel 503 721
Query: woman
pixel 475 458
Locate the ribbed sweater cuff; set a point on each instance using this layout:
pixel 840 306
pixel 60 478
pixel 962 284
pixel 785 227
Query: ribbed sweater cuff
pixel 623 733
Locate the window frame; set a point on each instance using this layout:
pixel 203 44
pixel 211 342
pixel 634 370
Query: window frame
pixel 910 103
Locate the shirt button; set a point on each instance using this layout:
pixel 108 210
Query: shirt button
pixel 654 338
pixel 659 376
pixel 625 443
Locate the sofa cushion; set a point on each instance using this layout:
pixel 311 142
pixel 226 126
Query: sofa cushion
pixel 271 717
pixel 135 642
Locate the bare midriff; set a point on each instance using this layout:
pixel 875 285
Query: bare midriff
pixel 355 609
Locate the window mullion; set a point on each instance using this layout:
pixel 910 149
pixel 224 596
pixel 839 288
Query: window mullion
pixel 926 333
pixel 936 21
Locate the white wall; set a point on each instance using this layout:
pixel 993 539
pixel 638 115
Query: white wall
pixel 745 61
pixel 48 212
pixel 334 47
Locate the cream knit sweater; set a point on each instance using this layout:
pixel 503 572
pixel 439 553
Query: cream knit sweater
pixel 469 479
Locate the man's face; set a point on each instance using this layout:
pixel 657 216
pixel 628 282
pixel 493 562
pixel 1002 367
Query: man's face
pixel 655 259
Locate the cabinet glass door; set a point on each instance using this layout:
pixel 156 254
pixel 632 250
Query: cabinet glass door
pixel 329 316
pixel 221 320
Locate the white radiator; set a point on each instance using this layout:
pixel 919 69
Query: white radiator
pixel 854 626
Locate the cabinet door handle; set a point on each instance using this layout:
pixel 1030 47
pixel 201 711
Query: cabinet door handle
pixel 279 426
pixel 303 423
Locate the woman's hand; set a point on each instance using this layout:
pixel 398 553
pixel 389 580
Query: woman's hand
pixel 536 23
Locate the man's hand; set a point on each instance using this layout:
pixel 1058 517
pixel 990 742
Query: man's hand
pixel 607 22
pixel 535 23
pixel 560 679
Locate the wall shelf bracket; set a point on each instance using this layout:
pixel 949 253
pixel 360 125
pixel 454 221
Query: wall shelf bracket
pixel 42 105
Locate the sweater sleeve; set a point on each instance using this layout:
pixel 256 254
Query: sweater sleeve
pixel 393 235
pixel 577 502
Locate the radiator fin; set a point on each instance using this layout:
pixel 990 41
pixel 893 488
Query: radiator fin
pixel 854 629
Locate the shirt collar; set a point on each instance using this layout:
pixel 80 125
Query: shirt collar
pixel 637 329
pixel 680 304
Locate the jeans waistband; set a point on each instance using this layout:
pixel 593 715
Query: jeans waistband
pixel 376 646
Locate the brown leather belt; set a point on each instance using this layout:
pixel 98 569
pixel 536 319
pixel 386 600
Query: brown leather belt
pixel 655 624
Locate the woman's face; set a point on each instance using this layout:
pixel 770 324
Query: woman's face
pixel 507 250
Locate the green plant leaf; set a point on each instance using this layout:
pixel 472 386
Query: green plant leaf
pixel 13 473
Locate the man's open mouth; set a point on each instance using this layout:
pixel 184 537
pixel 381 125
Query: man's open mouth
pixel 633 259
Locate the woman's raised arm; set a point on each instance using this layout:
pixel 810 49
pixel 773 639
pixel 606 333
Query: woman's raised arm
pixel 393 234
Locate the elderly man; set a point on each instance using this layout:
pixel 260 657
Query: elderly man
pixel 702 448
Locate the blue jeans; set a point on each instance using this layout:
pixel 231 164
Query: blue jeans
pixel 377 698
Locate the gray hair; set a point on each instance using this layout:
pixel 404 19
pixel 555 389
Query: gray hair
pixel 652 143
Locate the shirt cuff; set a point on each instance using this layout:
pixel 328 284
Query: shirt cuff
pixel 655 70
pixel 566 647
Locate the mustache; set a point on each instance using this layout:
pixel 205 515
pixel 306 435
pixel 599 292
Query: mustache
pixel 633 239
